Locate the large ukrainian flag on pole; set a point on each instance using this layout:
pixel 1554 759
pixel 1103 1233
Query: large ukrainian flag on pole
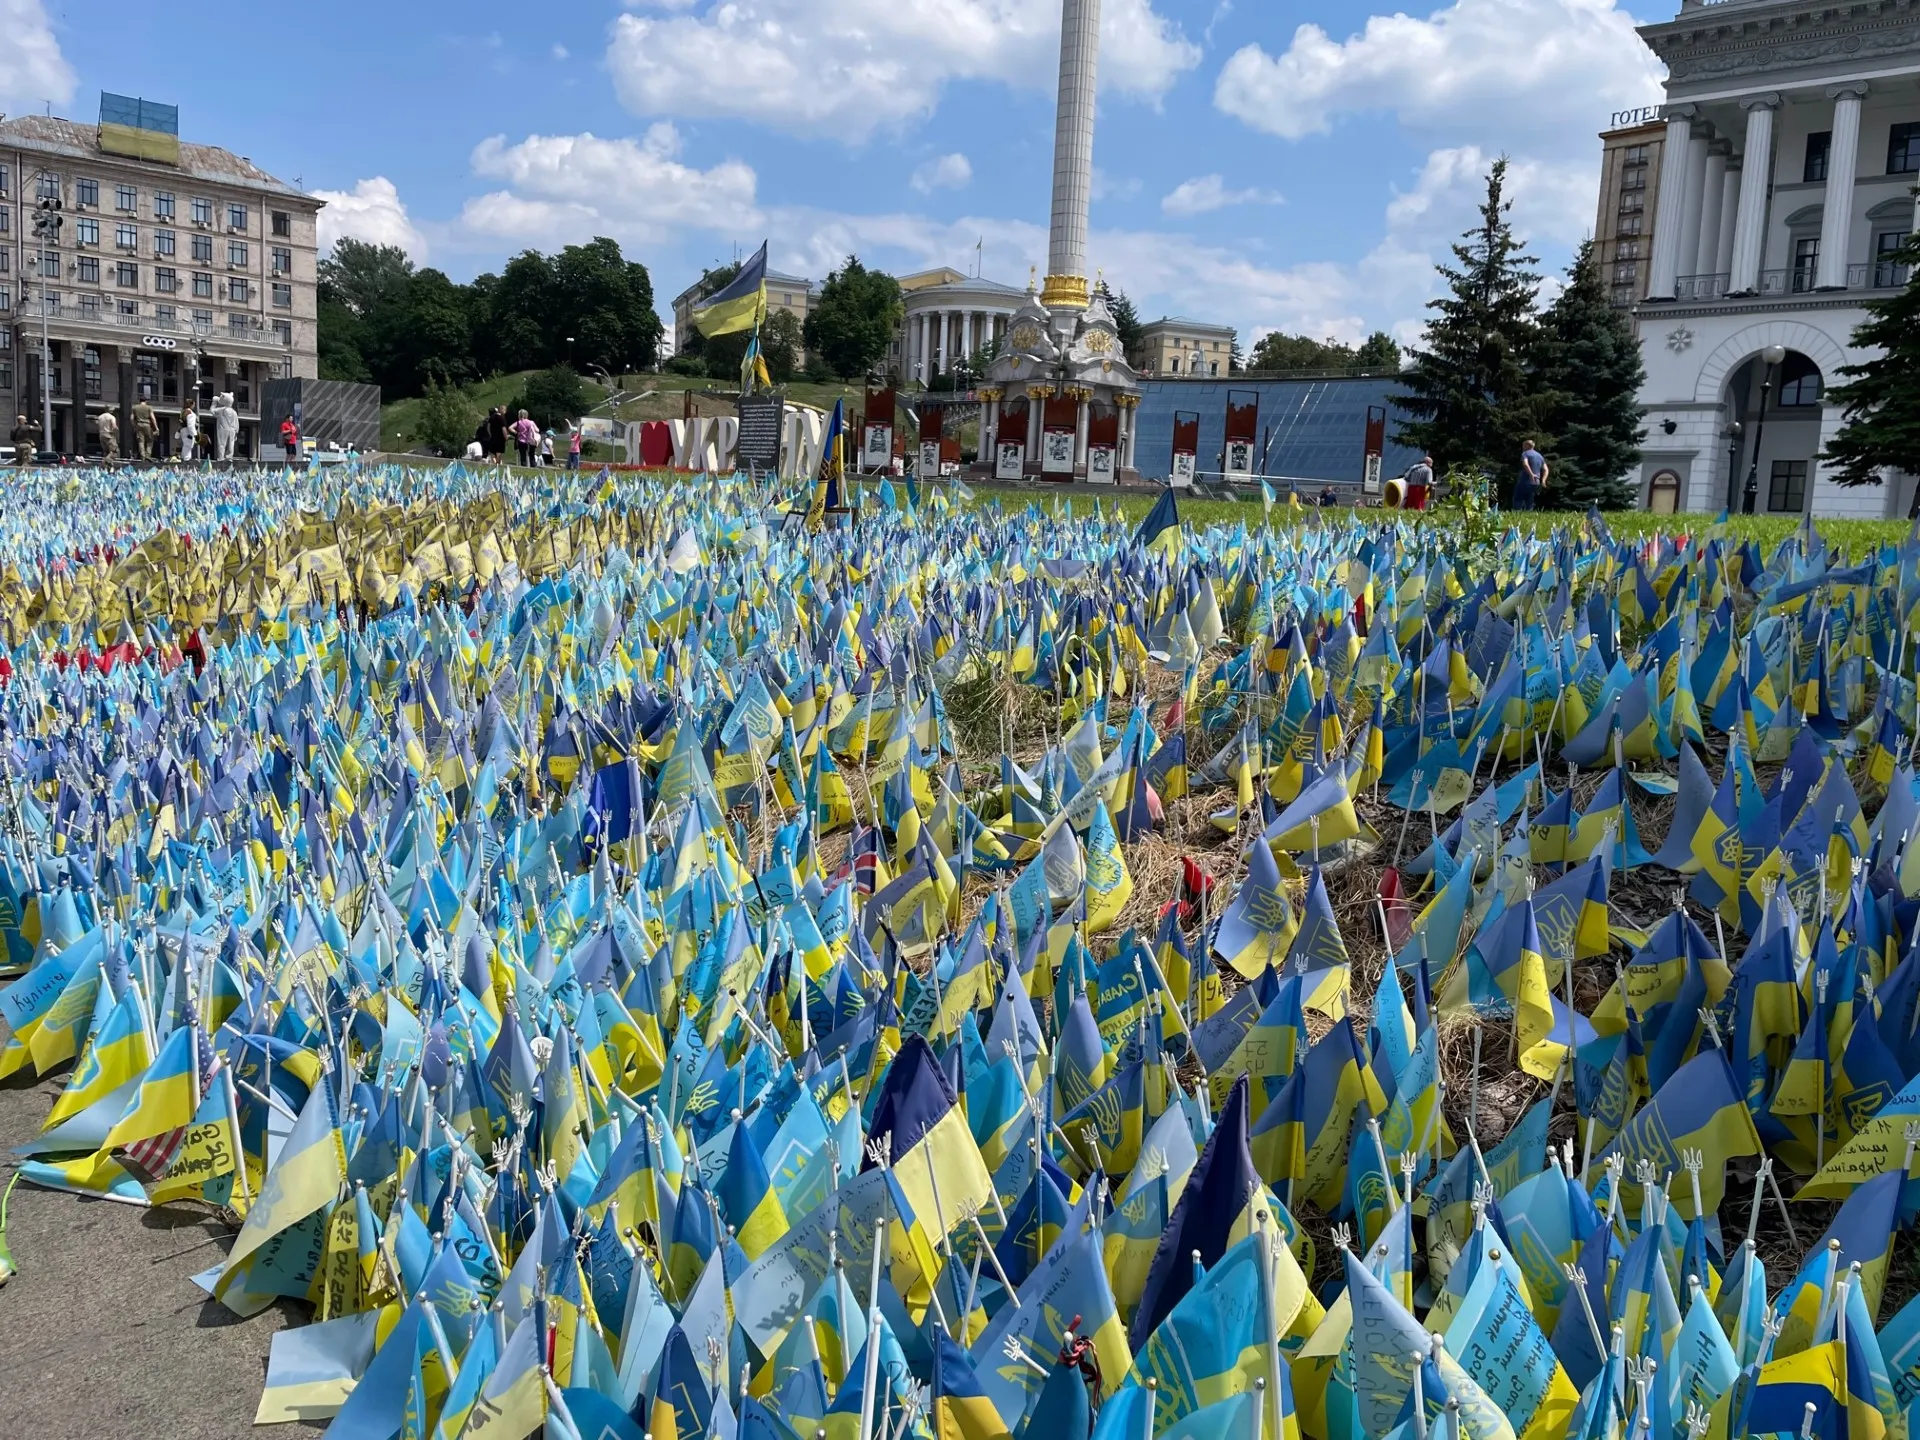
pixel 741 304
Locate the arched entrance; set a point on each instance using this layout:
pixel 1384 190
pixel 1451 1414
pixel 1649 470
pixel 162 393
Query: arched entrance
pixel 1778 408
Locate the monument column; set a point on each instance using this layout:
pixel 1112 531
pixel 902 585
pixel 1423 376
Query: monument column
pixel 1080 433
pixel 1066 287
pixel 1674 185
pixel 1836 219
pixel 1756 180
pixel 1036 408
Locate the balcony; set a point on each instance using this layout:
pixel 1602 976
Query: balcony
pixel 1785 284
pixel 256 340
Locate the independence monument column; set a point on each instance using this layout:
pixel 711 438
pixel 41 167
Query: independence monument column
pixel 1066 285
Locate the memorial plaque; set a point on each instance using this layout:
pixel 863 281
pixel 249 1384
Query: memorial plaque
pixel 761 419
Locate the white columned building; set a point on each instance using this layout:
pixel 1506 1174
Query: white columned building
pixel 950 318
pixel 1791 157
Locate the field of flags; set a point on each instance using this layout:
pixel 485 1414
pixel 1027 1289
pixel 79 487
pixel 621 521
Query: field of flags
pixel 640 962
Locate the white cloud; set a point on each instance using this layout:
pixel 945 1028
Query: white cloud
pixel 1107 187
pixel 1206 193
pixel 561 189
pixel 560 52
pixel 32 69
pixel 1550 201
pixel 1545 68
pixel 371 211
pixel 949 172
pixel 849 67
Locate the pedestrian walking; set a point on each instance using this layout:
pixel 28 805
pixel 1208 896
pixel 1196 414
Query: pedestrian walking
pixel 1534 471
pixel 526 437
pixel 145 428
pixel 495 426
pixel 109 437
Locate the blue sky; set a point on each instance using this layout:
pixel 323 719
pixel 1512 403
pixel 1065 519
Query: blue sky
pixel 1294 164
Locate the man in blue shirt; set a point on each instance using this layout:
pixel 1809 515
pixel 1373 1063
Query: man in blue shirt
pixel 1533 477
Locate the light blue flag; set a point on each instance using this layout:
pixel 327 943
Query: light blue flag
pixel 1900 1347
pixel 1702 1366
pixel 1069 1280
pixel 1384 1348
pixel 1495 1336
pixel 1522 1153
pixel 312 1368
pixel 1214 1339
pixel 1235 1418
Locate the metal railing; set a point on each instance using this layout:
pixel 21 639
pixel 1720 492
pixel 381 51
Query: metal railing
pixel 1701 287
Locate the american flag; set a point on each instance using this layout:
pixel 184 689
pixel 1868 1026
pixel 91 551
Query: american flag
pixel 149 1159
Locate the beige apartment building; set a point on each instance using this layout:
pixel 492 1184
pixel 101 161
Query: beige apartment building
pixel 169 280
pixel 1179 346
pixel 1630 164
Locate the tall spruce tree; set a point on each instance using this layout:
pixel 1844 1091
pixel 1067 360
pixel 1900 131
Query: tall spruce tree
pixel 1472 387
pixel 1590 364
pixel 1881 396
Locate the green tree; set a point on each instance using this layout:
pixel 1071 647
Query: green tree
pixel 365 278
pixel 1379 351
pixel 1236 358
pixel 1296 352
pixel 780 341
pixel 448 415
pixel 1590 360
pixel 552 397
pixel 522 311
pixel 852 324
pixel 435 339
pixel 1471 388
pixel 341 336
pixel 1880 397
pixel 603 302
pixel 1126 320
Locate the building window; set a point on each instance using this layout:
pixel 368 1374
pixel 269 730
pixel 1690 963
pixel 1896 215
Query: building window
pixel 236 217
pixel 166 279
pixel 6 180
pixel 1819 148
pixel 236 252
pixel 1903 148
pixel 6 303
pixel 6 338
pixel 86 192
pixel 163 204
pixel 50 264
pixel 1787 489
pixel 6 260
pixel 126 197
pixel 89 307
pixel 127 275
pixel 6 375
pixel 47 187
pixel 1799 383
pixel 1634 179
pixel 283 331
pixel 87 269
pixel 237 324
pixel 164 315
pixel 282 223
pixel 126 237
pixel 1632 200
pixel 1636 154
pixel 6 219
pixel 283 296
pixel 203 320
pixel 1627 250
pixel 203 249
pixel 282 260
pixel 1623 294
pixel 202 211
pixel 1806 263
pixel 129 310
pixel 1886 274
pixel 163 242
pixel 86 232
pixel 203 286
pixel 237 290
pixel 90 371
pixel 1626 273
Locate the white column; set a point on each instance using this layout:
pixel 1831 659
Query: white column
pixel 1665 267
pixel 966 334
pixel 1729 208
pixel 1713 194
pixel 918 370
pixel 1080 436
pixel 1035 408
pixel 1836 219
pixel 1073 139
pixel 1756 184
pixel 989 423
pixel 946 341
pixel 1693 198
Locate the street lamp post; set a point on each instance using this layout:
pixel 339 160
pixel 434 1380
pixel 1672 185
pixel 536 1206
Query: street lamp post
pixel 47 221
pixel 1771 357
pixel 1732 435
